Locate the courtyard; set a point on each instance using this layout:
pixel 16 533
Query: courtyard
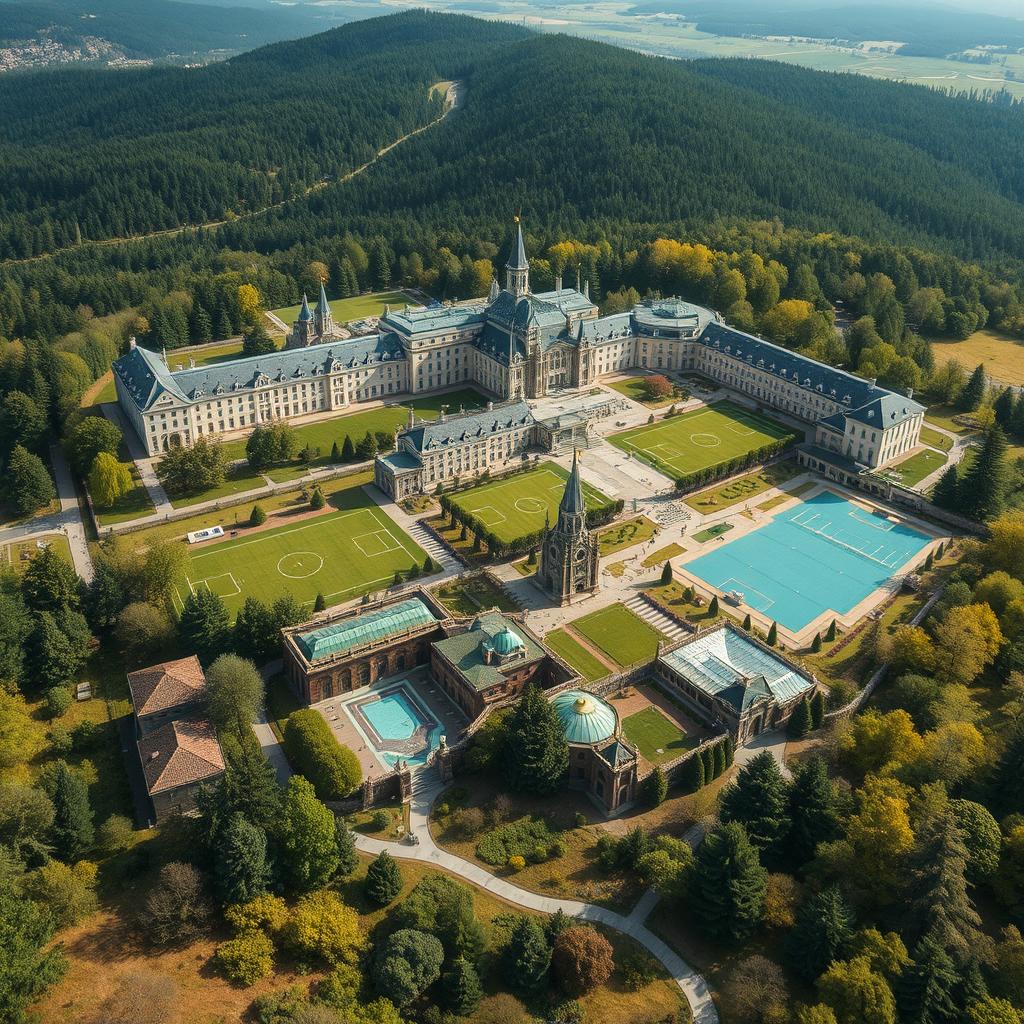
pixel 659 729
pixel 705 437
pixel 521 504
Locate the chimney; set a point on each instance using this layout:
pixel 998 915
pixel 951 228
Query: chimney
pixel 191 362
pixel 131 342
pixel 558 283
pixel 490 406
pixel 910 392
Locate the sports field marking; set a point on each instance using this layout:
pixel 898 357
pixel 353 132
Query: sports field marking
pixel 532 506
pixel 376 543
pixel 385 529
pixel 705 440
pixel 298 562
pixel 493 516
pixel 746 589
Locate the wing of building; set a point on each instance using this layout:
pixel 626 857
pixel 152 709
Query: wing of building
pixel 518 346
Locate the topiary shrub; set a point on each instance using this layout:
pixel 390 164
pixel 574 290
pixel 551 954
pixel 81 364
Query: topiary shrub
pixel 315 752
pixel 246 958
pixel 317 499
pixel 258 516
pixel 517 863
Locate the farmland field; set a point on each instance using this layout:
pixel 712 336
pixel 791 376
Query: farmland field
pixel 1002 354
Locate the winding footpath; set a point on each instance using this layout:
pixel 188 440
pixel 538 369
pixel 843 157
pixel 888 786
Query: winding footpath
pixel 692 985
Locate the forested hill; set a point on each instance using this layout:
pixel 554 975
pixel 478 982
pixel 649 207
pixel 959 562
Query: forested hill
pixel 572 132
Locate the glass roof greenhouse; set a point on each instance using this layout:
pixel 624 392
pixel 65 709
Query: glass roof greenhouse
pixel 348 634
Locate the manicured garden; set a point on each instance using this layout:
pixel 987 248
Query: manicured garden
pixel 626 534
pixel 746 487
pixel 620 634
pixel 913 470
pixel 354 308
pixel 467 595
pixel 656 737
pixel 576 655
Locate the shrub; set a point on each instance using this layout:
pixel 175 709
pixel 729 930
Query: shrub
pixel 176 909
pixel 383 880
pixel 637 970
pixel 58 700
pixel 581 820
pixel 315 752
pixel 60 741
pixel 257 517
pixel 380 820
pixel 83 736
pixel 246 958
pixel 470 821
pixel 406 964
pixel 324 927
pixel 582 960
pixel 569 1012
pixel 539 854
pixel 115 834
pixel 265 913
pixel 517 863
pixel 516 839
pixel 556 849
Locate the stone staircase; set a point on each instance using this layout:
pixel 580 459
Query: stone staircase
pixel 437 551
pixel 566 447
pixel 657 619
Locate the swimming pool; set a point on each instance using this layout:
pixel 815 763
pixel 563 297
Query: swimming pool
pixel 825 554
pixel 396 725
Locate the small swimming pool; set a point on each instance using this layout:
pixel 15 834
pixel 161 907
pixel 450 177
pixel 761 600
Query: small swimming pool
pixel 825 554
pixel 396 725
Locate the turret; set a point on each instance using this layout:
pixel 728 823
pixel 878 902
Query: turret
pixel 517 270
pixel 324 320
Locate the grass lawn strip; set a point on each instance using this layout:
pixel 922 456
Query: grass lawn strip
pixel 936 439
pixel 621 635
pixel 519 505
pixel 913 470
pixel 656 737
pixel 354 308
pixel 579 657
pixel 19 554
pixel 360 547
pixel 467 595
pixel 696 440
pixel 624 535
pixel 744 488
pixel 635 388
pixel 663 555
pixel 702 536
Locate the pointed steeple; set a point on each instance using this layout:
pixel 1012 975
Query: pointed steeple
pixel 517 270
pixel 572 503
pixel 304 313
pixel 322 305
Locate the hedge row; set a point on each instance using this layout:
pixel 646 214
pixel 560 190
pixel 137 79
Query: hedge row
pixel 314 752
pixel 701 477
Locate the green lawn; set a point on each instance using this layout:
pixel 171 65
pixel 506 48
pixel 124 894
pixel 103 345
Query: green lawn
pixel 576 655
pixel 744 488
pixel 620 634
pixel 134 504
pixel 341 554
pixel 467 595
pixel 699 439
pixel 656 737
pixel 635 388
pixel 355 308
pixel 913 470
pixel 942 416
pixel 518 506
pixel 663 555
pixel 625 535
pixel 936 439
pixel 237 480
pixel 19 554
pixel 701 536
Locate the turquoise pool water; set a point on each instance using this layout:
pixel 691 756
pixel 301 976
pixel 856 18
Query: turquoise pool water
pixel 826 553
pixel 404 730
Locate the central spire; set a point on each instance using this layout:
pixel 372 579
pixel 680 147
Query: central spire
pixel 572 503
pixel 517 270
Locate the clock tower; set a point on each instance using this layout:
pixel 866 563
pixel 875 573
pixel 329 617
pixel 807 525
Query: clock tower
pixel 569 554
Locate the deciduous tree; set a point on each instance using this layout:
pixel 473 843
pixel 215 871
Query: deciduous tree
pixel 581 960
pixel 308 849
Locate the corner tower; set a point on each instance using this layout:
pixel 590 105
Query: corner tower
pixel 569 554
pixel 323 319
pixel 517 270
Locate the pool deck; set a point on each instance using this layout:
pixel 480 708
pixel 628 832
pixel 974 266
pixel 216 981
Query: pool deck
pixel 748 519
pixel 344 728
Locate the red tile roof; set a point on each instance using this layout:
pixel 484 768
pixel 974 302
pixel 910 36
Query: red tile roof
pixel 167 685
pixel 179 754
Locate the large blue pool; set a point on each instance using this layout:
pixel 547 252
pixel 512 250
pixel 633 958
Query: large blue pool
pixel 397 725
pixel 826 553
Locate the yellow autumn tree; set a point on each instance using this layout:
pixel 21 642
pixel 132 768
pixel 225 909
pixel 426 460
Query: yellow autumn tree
pixel 250 303
pixel 879 744
pixel 969 639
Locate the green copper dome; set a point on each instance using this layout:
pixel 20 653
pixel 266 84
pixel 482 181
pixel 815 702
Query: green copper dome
pixel 507 642
pixel 585 718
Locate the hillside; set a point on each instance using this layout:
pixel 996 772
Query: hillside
pixel 570 130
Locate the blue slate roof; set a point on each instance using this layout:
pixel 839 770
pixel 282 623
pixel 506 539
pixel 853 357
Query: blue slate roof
pixel 433 319
pixel 304 313
pixel 146 377
pixel 469 426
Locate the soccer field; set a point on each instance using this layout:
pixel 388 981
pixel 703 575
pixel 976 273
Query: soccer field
pixel 699 439
pixel 518 506
pixel 340 555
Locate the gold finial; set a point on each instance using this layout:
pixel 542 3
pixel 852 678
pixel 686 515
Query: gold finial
pixel 516 218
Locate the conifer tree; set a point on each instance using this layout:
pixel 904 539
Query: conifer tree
pixel 925 992
pixel 747 624
pixel 241 870
pixel 461 987
pixel 983 491
pixel 1017 422
pixel 693 774
pixel 335 453
pixel 974 390
pixel 708 759
pixel 800 722
pixel 348 856
pixel 27 483
pixel 816 644
pixel 730 750
pixel 72 832
pixel 666 573
pixel 224 329
pixel 947 491
pixel 812 810
pixel 656 787
pixel 773 634
pixel 527 957
pixel 320 603
pixel 348 451
pixel 205 624
pixel 383 879
pixel 728 884
pixel 831 634
pixel 713 607
pixel 758 801
pixel 823 932
pixel 1004 407
pixel 718 754
pixel 536 752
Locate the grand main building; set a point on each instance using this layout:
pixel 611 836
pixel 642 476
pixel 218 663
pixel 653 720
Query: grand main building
pixel 518 345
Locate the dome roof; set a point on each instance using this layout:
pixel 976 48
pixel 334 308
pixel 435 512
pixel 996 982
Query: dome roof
pixel 585 718
pixel 507 641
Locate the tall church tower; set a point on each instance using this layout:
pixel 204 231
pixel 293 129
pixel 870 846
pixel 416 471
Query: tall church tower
pixel 323 319
pixel 569 554
pixel 303 329
pixel 517 270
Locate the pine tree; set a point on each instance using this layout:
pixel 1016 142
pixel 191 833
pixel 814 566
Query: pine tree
pixel 536 752
pixel 974 390
pixel 27 483
pixel 693 774
pixel 728 884
pixel 812 810
pixel 200 326
pixel 348 856
pixel 461 987
pixel 429 566
pixel 72 833
pixel 713 607
pixel 1007 792
pixel 241 870
pixel 831 634
pixel 758 801
pixel 320 603
pixel 1017 423
pixel 1004 407
pixel 205 624
pixel 773 634
pixel 747 624
pixel 718 756
pixel 335 452
pixel 816 644
pixel 223 326
pixel 383 879
pixel 947 491
pixel 800 722
pixel 527 957
pixel 925 992
pixel 348 451
pixel 656 787
pixel 983 491
pixel 666 573
pixel 823 932
pixel 818 709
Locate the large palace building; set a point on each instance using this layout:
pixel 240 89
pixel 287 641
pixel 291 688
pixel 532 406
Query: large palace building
pixel 518 345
